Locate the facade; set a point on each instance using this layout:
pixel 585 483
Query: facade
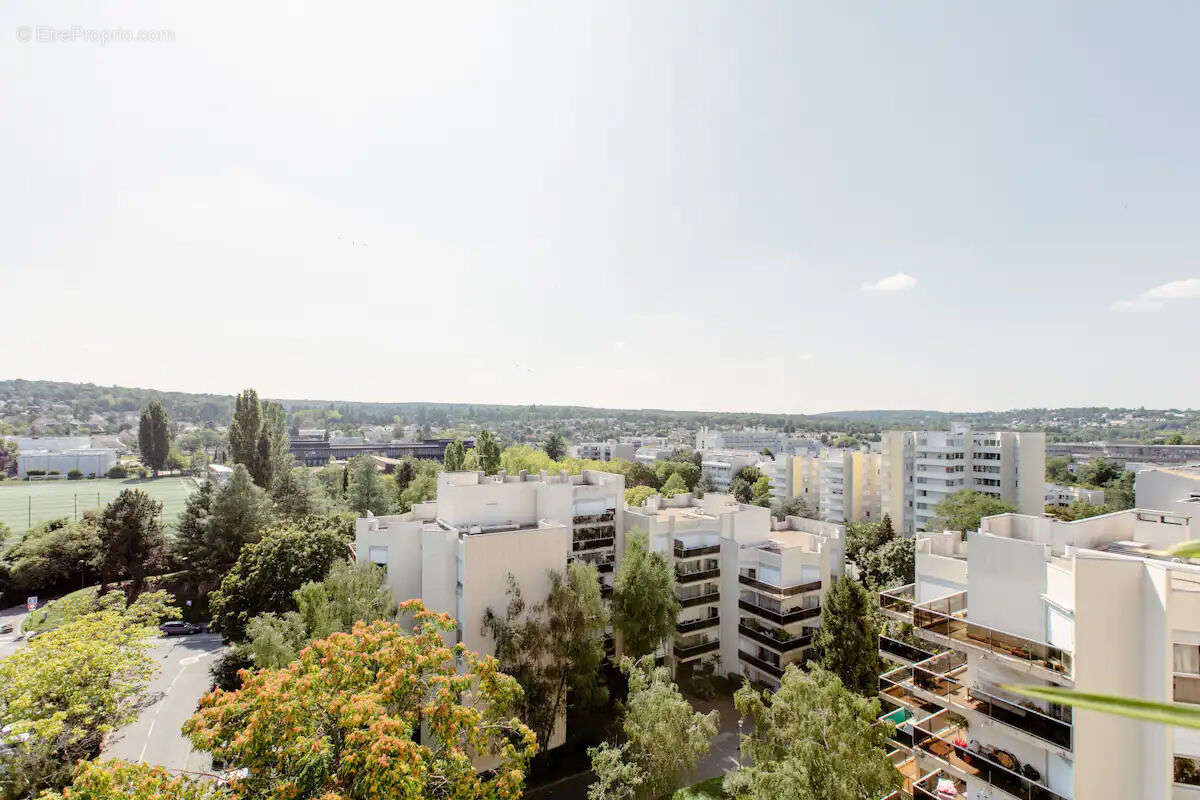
pixel 919 469
pixel 720 466
pixel 455 554
pixel 61 454
pixel 752 440
pixel 750 588
pixel 648 454
pixel 317 452
pixel 780 471
pixel 1063 496
pixel 849 486
pixel 1028 600
pixel 1174 489
pixel 604 451
pixel 1149 453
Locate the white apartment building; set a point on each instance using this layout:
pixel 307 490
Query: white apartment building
pixel 91 461
pixel 604 451
pixel 750 588
pixel 1028 600
pixel 648 454
pixel 752 440
pixel 1174 489
pixel 849 486
pixel 919 469
pixel 455 554
pixel 720 466
pixel 1063 496
pixel 780 472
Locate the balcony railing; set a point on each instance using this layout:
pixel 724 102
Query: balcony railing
pixel 761 663
pixel 947 617
pixel 780 618
pixel 900 601
pixel 606 590
pixel 935 735
pixel 688 626
pixel 699 575
pixel 700 599
pixel 684 551
pixel 926 787
pixel 595 543
pixel 584 519
pixel 763 636
pixel 904 650
pixel 785 591
pixel 696 649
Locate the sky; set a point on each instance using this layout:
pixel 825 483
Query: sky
pixel 782 207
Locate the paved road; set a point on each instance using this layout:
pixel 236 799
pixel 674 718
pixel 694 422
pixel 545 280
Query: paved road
pixel 183 678
pixel 8 641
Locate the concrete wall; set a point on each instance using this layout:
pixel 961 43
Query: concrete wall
pixel 1007 579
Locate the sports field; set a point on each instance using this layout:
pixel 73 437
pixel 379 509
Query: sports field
pixel 26 503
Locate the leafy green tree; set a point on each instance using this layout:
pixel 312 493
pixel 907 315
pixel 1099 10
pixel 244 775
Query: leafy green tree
pixel 211 542
pixel 1077 510
pixel 63 691
pixel 244 428
pixel 644 605
pixel 761 492
pixel 273 451
pixel 342 721
pixel 132 544
pixel 453 461
pixel 368 491
pixel 523 457
pixel 811 740
pixel 423 486
pixel 405 472
pixel 848 640
pixel 555 446
pixel 54 556
pixel 796 507
pixel 553 646
pixel 154 438
pixel 689 472
pixel 350 593
pixel 267 573
pixel 640 474
pixel 1058 470
pixel 664 737
pixel 1118 492
pixel 963 510
pixel 122 780
pixel 488 452
pixel 636 495
pixel 674 485
pixel 1100 471
pixel 296 494
pixel 742 491
pixel 749 474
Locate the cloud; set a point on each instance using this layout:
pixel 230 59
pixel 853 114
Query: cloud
pixel 1154 299
pixel 900 282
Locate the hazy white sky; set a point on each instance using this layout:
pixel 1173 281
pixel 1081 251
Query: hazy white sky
pixel 779 207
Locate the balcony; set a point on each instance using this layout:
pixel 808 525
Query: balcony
pixel 784 591
pixel 778 617
pixel 927 787
pixel 771 639
pixel 684 551
pixel 769 667
pixel 688 626
pixel 587 519
pixel 936 735
pixel 700 599
pixel 606 590
pixel 903 650
pixel 945 621
pixel 682 576
pixel 594 543
pixel 692 651
pixel 898 603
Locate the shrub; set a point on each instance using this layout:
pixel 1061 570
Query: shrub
pixel 54 472
pixel 117 471
pixel 34 473
pixel 75 475
pixel 91 475
pixel 143 473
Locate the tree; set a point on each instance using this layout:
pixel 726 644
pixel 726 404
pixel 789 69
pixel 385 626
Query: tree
pixel 237 515
pixel 296 494
pixel 405 472
pixel 368 491
pixel 188 546
pixel 665 738
pixel 154 438
pixel 749 474
pixel 1077 510
pixel 523 457
pixel 689 472
pixel 761 492
pixel 742 491
pixel 1100 471
pixel 268 571
pixel 640 474
pixel 796 507
pixel 637 495
pixel 131 540
pixel 674 485
pixel 244 428
pixel 342 721
pixel 553 646
pixel 54 556
pixel 488 452
pixel 1058 470
pixel 452 461
pixel 350 593
pixel 273 453
pixel 555 446
pixel 644 605
pixel 848 640
pixel 963 510
pixel 811 740
pixel 64 690
pixel 122 780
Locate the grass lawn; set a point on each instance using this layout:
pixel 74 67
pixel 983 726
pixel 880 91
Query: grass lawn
pixel 53 612
pixel 26 503
pixel 704 790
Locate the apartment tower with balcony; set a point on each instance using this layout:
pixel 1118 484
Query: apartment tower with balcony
pixel 1091 605
pixel 920 469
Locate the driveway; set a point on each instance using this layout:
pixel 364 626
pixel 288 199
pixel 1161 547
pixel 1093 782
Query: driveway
pixel 8 641
pixel 183 679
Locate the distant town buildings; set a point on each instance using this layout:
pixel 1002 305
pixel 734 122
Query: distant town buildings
pixel 312 448
pixel 1150 453
pixel 604 451
pixel 721 466
pixel 752 440
pixel 1063 496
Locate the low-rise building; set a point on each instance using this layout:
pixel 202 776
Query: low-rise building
pixel 604 451
pixel 61 455
pixel 1063 496
pixel 1090 605
pixel 219 474
pixel 721 466
pixel 1174 489
pixel 751 440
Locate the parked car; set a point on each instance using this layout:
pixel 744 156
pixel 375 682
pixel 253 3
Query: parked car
pixel 6 628
pixel 178 628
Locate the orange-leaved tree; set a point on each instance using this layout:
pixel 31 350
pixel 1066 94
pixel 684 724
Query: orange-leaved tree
pixel 382 711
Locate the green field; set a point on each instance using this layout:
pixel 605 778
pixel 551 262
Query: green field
pixel 25 503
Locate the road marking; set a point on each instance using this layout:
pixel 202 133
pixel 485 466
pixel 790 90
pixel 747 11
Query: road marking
pixel 142 755
pixel 184 663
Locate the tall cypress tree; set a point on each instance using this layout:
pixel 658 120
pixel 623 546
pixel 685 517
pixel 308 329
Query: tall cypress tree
pixel 244 429
pixel 154 436
pixel 848 639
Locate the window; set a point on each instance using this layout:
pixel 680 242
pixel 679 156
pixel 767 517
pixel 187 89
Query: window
pixel 1187 673
pixel 378 555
